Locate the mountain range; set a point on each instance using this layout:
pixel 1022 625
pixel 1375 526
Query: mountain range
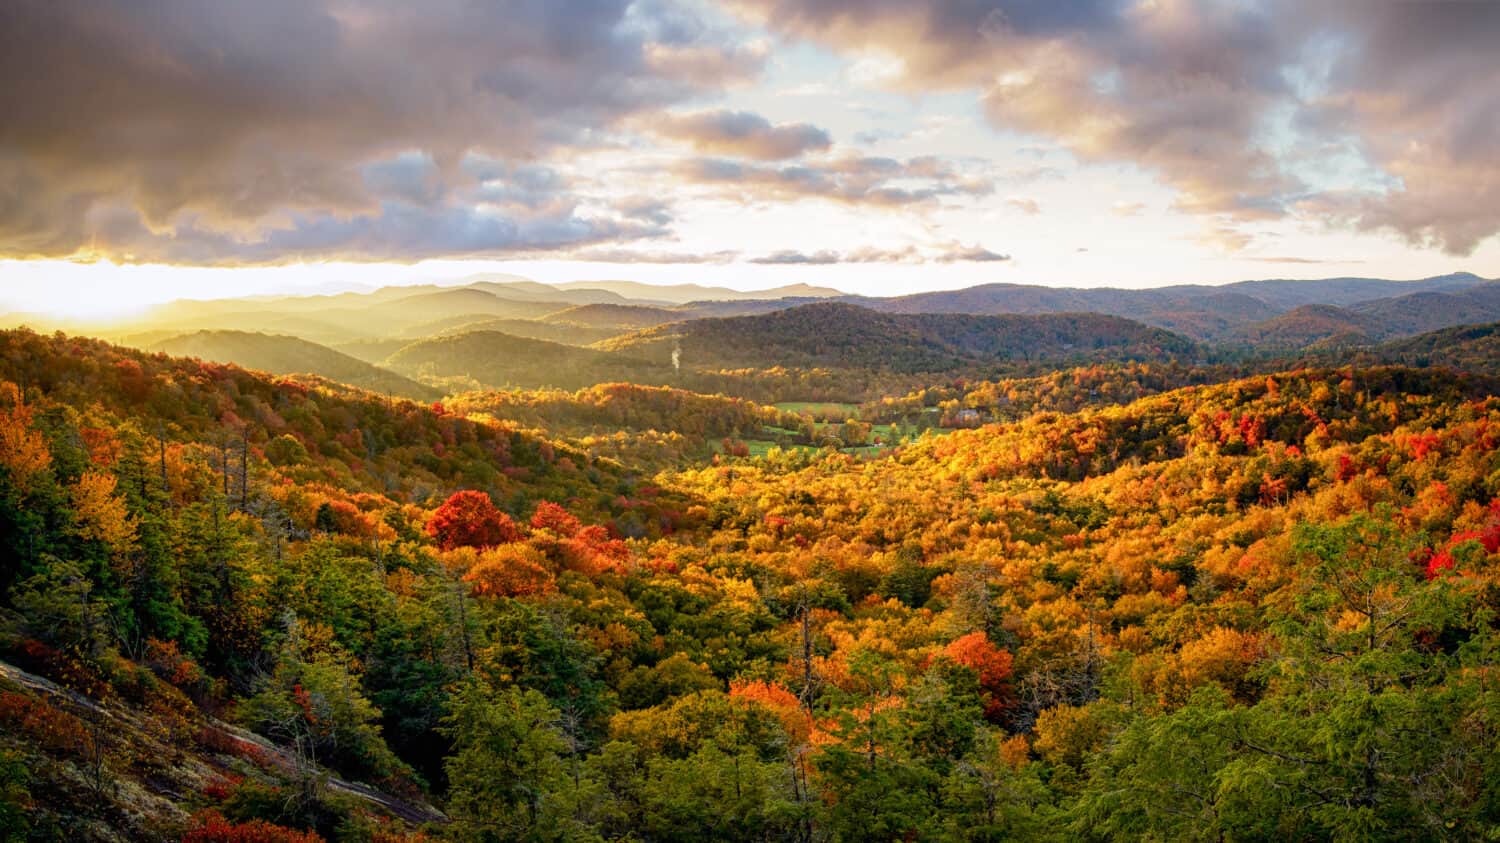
pixel 498 330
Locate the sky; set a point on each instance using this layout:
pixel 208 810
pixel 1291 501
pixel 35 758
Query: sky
pixel 158 149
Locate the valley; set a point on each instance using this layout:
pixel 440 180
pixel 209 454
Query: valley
pixel 755 572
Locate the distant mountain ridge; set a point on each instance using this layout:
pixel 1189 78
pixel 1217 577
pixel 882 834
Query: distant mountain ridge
pixel 687 293
pixel 343 317
pixel 1216 313
pixel 842 335
pixel 536 331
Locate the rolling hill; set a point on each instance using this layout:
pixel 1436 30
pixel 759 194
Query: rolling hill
pixel 844 336
pixel 1433 310
pixel 1267 316
pixel 1224 313
pixel 615 316
pixel 283 355
pixel 494 360
pixel 566 333
pixel 686 293
pixel 1309 325
pixel 1474 348
pixel 460 301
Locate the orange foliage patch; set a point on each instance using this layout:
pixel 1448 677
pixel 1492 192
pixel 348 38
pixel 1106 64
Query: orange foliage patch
pixel 993 665
pixel 22 450
pixel 510 571
pixel 212 827
pixel 774 696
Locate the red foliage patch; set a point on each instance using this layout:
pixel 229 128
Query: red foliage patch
pixel 217 740
pixel 51 728
pixel 1348 468
pixel 1423 444
pixel 65 669
pixel 551 516
pixel 470 519
pixel 220 789
pixel 212 827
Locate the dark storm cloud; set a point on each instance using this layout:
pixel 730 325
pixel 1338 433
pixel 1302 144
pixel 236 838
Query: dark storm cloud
pixel 1248 110
pixel 743 134
pixel 184 128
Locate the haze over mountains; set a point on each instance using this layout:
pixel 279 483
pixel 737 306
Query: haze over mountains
pixel 495 331
pixel 287 355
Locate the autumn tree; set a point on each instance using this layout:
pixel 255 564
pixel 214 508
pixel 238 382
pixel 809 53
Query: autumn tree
pixel 990 664
pixel 470 519
pixel 23 450
pixel 510 571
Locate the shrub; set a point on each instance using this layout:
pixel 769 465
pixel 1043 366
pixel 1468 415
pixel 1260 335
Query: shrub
pixel 212 827
pixel 49 727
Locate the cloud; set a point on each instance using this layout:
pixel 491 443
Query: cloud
pixel 1226 239
pixel 631 256
pixel 1375 114
pixel 646 209
pixel 951 252
pixel 793 258
pixel 958 253
pixel 743 134
pixel 216 129
pixel 1025 205
pixel 878 182
pixel 1299 260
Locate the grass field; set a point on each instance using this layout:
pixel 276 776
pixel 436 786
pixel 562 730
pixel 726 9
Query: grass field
pixel 760 447
pixel 822 411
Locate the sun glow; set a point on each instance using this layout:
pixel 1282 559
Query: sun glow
pixel 104 291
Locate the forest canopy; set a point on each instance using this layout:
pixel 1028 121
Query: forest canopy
pixel 1131 601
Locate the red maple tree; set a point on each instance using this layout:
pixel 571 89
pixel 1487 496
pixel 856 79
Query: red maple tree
pixel 470 519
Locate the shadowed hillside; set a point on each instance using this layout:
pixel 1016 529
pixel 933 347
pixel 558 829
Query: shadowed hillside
pixel 490 359
pixel 282 355
pixel 848 337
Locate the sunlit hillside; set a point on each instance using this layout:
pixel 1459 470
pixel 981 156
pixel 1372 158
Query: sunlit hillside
pixel 764 421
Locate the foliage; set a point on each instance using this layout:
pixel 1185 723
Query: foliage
pixel 470 519
pixel 211 827
pixel 1149 602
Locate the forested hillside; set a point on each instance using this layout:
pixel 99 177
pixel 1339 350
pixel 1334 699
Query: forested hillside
pixel 281 355
pixel 492 360
pixel 1152 603
pixel 848 337
pixel 1231 312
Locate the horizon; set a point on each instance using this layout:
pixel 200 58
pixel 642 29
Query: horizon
pixel 91 314
pixel 749 420
pixel 749 144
